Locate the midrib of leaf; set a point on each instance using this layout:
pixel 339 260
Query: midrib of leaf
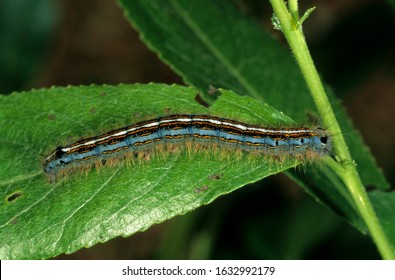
pixel 215 51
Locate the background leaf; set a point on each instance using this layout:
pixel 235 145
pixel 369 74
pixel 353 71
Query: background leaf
pixel 26 27
pixel 236 53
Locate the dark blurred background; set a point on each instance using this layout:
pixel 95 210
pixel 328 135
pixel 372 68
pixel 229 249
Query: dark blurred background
pixel 73 42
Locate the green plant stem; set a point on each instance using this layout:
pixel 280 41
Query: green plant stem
pixel 345 168
pixel 293 8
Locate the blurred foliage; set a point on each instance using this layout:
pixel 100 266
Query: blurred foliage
pixel 355 47
pixel 26 30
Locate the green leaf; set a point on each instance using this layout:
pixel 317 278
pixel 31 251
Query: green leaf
pixel 384 204
pixel 42 219
pixel 211 43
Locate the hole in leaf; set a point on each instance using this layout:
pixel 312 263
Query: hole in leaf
pixel 14 196
pixel 200 100
pixel 215 176
pixel 200 189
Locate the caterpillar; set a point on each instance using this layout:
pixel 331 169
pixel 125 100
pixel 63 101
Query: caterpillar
pixel 202 130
